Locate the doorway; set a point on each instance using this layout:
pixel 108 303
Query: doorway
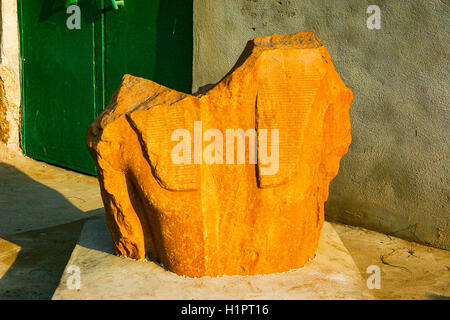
pixel 69 74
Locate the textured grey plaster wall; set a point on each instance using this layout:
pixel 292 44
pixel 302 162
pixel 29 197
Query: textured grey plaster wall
pixel 395 178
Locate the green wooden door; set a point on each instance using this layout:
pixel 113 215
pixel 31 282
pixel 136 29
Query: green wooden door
pixel 58 73
pixel 69 75
pixel 150 39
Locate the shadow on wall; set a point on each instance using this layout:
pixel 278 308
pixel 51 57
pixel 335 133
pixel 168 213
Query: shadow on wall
pixel 44 252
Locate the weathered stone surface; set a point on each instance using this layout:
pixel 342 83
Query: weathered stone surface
pixel 202 219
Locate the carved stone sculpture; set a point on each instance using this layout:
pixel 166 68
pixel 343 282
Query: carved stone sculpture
pixel 177 186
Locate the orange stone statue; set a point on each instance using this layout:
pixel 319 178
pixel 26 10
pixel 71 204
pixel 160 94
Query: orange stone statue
pixel 229 181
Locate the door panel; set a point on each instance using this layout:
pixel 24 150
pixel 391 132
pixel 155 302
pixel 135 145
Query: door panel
pixel 150 39
pixel 58 82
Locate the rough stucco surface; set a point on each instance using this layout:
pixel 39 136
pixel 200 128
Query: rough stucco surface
pixel 395 178
pixel 4 124
pixel 9 76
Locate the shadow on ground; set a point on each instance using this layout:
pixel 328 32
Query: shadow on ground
pixel 45 225
pixel 39 228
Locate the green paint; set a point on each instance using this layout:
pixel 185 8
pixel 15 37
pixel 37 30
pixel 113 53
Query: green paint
pixel 71 2
pixel 116 4
pixel 69 75
pixel 150 39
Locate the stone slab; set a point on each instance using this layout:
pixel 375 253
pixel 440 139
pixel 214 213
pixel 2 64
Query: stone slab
pixel 331 275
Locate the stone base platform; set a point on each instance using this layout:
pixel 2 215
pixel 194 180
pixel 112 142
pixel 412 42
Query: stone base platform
pixel 331 275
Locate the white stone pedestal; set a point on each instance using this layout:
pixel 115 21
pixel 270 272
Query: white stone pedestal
pixel 331 275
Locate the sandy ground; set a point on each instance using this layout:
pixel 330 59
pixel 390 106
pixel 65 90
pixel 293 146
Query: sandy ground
pixel 43 209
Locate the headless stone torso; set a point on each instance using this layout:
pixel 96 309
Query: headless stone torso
pixel 214 219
